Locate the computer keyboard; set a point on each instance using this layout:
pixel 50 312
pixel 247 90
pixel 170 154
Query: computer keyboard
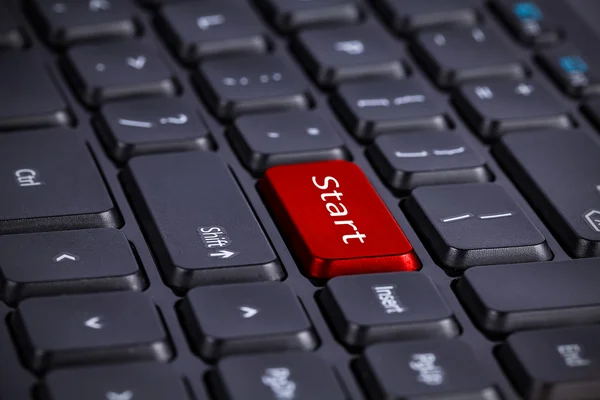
pixel 299 200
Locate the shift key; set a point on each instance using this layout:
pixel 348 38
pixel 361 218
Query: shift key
pixel 198 222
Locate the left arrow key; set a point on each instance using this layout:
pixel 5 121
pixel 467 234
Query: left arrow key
pixel 45 264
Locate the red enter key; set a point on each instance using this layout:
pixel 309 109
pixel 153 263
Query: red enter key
pixel 335 221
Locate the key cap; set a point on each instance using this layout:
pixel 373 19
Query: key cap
pixel 68 22
pixel 116 382
pixel 334 220
pixel 38 103
pixel 251 84
pixel 11 36
pixel 366 309
pixel 545 295
pixel 114 71
pixel 475 224
pixel 370 108
pixel 18 383
pixel 592 111
pixel 409 16
pixel 249 317
pixel 554 364
pixel 51 183
pixel 264 141
pixel 56 263
pixel 72 330
pixel 208 234
pixel 456 56
pixel 406 161
pixel 541 163
pixel 497 107
pixel 199 30
pixel 572 70
pixel 529 21
pixel 439 368
pixel 339 54
pixel 298 376
pixel 148 126
pixel 293 15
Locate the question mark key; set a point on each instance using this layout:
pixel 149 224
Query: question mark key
pixel 149 126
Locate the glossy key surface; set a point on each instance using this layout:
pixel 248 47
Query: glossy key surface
pixel 335 221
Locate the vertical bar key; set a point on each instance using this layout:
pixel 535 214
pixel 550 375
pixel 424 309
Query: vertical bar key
pixel 198 222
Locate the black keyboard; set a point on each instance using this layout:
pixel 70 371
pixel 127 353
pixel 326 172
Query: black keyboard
pixel 299 200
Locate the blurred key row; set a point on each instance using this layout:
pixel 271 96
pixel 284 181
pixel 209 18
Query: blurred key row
pixel 403 310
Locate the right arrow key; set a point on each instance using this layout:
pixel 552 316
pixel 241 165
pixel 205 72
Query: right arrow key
pixel 244 318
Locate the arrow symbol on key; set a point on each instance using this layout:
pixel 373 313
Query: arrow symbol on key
pixel 136 62
pixel 248 312
pixel 128 395
pixel 66 256
pixel 223 254
pixel 93 323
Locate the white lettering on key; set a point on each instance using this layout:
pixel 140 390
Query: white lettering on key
pixel 571 354
pixel 412 154
pixel 99 5
pixel 278 380
pixel 417 98
pixel 338 209
pixel 352 47
pixel 214 236
pixel 363 103
pixel 388 299
pixel 134 123
pixel 27 177
pixel 127 395
pixel 180 119
pixel 429 373
pixel 449 152
pixel 484 93
pixel 208 21
pixel 136 62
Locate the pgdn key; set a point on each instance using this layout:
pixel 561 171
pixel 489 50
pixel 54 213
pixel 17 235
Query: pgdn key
pixel 198 222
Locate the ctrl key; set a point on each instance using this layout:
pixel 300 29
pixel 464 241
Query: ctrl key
pixel 282 376
pixel 424 370
pixel 554 364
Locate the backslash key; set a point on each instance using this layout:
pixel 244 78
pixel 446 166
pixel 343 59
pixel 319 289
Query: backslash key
pixel 335 221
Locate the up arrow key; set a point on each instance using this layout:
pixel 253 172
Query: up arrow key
pixel 223 254
pixel 66 256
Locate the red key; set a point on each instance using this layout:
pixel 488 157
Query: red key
pixel 335 221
